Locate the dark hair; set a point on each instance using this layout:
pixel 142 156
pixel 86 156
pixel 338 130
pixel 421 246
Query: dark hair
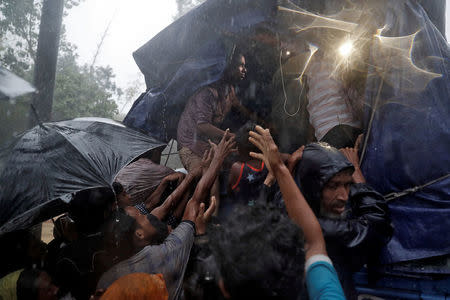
pixel 27 288
pixel 235 56
pixel 118 187
pixel 161 230
pixel 118 233
pixel 260 254
pixel 232 62
pixel 90 208
pixel 242 137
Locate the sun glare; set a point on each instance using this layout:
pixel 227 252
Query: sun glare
pixel 346 48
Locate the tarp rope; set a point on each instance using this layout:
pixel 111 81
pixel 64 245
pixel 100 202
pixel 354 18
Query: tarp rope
pixel 395 195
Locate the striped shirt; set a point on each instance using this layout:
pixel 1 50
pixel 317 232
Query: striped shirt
pixel 327 106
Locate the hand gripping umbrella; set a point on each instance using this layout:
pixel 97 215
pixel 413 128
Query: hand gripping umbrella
pixel 48 163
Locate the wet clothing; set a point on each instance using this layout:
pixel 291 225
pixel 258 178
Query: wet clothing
pixel 342 136
pixel 322 280
pixel 141 178
pixel 209 104
pixel 249 183
pixel 356 239
pixel 247 189
pixel 327 102
pixel 169 258
pixel 189 159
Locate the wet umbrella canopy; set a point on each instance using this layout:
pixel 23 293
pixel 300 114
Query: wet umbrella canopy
pixel 49 162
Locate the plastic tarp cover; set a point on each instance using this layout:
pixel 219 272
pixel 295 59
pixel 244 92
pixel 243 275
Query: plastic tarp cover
pixel 140 178
pixel 187 55
pixel 48 163
pixel 409 141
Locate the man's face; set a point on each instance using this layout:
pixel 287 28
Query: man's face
pixel 335 194
pixel 145 230
pixel 239 70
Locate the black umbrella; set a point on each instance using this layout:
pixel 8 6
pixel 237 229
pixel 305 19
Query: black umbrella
pixel 48 163
pixel 12 86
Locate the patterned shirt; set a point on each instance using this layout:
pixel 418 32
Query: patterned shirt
pixel 210 105
pixel 170 258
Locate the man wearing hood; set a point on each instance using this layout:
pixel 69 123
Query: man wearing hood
pixel 354 218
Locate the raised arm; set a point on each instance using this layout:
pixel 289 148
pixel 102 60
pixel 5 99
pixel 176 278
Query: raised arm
pixel 221 151
pixel 296 205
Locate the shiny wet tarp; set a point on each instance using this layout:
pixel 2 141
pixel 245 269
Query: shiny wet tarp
pixel 190 53
pixel 409 139
pixel 48 163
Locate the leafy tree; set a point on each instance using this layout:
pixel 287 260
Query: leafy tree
pixel 19 27
pixel 83 91
pixel 79 90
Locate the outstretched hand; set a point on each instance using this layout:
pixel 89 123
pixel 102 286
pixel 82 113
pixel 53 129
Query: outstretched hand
pixel 225 146
pixel 203 216
pixel 196 213
pixel 269 150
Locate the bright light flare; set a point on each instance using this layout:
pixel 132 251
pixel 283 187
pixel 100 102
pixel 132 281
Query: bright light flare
pixel 346 49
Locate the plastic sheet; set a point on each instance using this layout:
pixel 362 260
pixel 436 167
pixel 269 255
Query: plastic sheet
pixel 409 141
pixel 48 163
pixel 190 53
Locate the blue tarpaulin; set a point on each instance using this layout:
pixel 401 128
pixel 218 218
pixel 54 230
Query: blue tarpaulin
pixel 190 53
pixel 407 112
pixel 409 141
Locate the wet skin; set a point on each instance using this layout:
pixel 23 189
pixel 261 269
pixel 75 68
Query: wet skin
pixel 335 193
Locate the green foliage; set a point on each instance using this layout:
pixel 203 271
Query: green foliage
pixel 81 91
pixel 19 29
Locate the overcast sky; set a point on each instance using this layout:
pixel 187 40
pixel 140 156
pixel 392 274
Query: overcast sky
pixel 133 22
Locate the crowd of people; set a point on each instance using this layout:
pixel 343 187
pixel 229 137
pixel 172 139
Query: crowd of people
pixel 245 222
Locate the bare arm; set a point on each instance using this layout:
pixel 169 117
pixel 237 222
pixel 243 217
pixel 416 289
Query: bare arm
pixel 210 131
pixel 296 205
pixel 174 198
pixel 221 151
pixel 153 200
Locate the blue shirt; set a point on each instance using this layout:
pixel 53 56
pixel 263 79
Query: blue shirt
pixel 321 279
